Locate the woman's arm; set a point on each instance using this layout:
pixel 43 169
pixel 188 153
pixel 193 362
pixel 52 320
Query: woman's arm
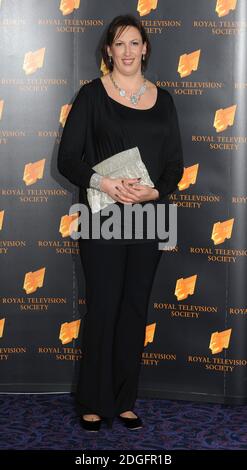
pixel 72 144
pixel 173 172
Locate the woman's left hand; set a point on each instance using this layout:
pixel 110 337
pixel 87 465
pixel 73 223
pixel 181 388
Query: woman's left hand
pixel 141 192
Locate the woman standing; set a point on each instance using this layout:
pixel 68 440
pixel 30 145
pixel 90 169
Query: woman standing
pixel 117 112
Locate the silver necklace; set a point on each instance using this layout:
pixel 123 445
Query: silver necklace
pixel 134 98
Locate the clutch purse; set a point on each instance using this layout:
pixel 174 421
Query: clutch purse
pixel 126 164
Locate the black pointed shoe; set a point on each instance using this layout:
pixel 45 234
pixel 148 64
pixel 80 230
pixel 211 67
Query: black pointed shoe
pixel 131 423
pixel 93 426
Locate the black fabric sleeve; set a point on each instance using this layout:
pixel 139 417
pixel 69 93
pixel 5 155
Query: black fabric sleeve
pixel 72 144
pixel 173 171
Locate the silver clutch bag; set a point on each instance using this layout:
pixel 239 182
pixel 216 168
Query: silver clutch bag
pixel 126 164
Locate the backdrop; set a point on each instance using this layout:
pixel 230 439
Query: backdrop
pixel 195 346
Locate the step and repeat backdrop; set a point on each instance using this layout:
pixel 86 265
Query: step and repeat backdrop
pixel 195 345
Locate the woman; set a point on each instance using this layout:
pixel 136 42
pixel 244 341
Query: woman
pixel 119 111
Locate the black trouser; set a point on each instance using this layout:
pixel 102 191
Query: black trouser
pixel 118 285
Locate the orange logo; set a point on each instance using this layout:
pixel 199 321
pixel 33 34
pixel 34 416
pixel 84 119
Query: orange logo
pixel 68 224
pixel 65 109
pixel 69 331
pixel 1 108
pixel 68 6
pixel 185 287
pixel 33 61
pixel 219 341
pixel 33 172
pixel 221 231
pixel 189 177
pixel 150 330
pixel 1 219
pixel 188 63
pixel 144 7
pixel 223 7
pixel 224 118
pixel 33 280
pixel 2 323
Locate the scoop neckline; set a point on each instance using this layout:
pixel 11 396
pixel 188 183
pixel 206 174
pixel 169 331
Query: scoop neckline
pixel 128 107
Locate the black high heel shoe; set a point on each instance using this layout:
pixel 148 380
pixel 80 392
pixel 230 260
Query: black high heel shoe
pixel 131 423
pixel 93 426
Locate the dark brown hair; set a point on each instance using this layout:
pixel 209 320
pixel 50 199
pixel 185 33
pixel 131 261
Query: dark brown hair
pixel 123 21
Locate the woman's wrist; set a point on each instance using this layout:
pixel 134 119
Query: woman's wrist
pixel 156 193
pixel 103 183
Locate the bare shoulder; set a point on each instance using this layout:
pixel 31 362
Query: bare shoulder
pixel 150 85
pixel 151 90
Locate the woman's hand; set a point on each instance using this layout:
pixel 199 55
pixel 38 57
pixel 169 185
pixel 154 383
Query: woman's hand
pixel 141 192
pixel 128 190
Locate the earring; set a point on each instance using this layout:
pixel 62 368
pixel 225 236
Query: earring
pixel 110 58
pixel 143 56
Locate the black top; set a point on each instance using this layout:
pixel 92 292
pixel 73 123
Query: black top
pixel 98 126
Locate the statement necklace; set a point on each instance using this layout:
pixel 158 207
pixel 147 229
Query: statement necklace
pixel 134 98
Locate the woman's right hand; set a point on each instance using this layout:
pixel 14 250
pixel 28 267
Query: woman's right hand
pixel 111 185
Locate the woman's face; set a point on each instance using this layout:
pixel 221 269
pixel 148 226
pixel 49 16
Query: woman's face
pixel 127 50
